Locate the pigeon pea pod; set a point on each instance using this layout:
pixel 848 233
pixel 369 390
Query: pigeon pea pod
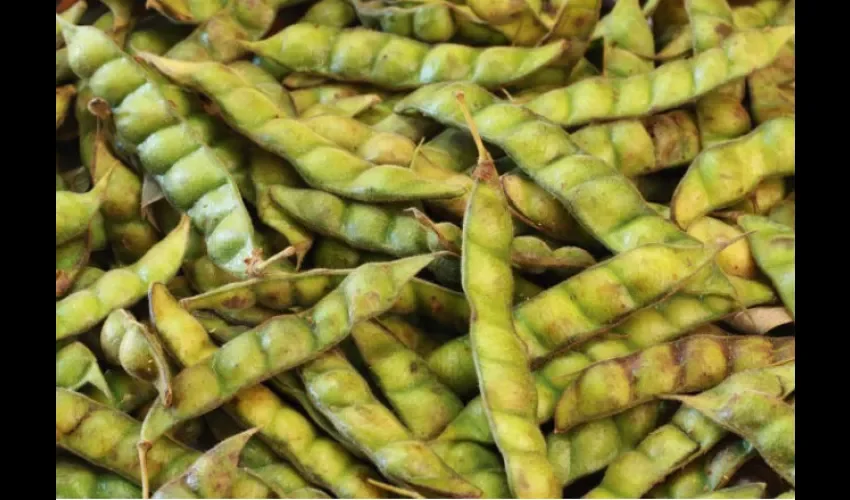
pixel 71 260
pixel 475 463
pixel 72 14
pixel 774 248
pixel 281 343
pixel 129 234
pixel 259 407
pixel 250 111
pixel 746 490
pixel 212 475
pixel 707 473
pixel 602 200
pixel 382 118
pixel 257 456
pixel 664 322
pixel 362 140
pixel 129 344
pixel 123 286
pixel 668 86
pixel 128 393
pixel 504 377
pixel 628 43
pixel 611 386
pixel 107 437
pixel 169 133
pixel 765 420
pixel 75 211
pixel 77 479
pixel 64 97
pixel 421 401
pixel 187 11
pixel 344 397
pixel 361 55
pixel 338 13
pixel 77 366
pixel 688 436
pixel 430 22
pixel 727 172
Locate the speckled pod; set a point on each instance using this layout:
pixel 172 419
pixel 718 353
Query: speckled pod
pixel 123 286
pixel 774 248
pixel 687 365
pixel 272 347
pixel 107 437
pixel 250 111
pixel 727 172
pixel 395 62
pixel 681 81
pixel 170 137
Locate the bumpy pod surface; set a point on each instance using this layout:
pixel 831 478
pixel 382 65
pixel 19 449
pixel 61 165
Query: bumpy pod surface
pixel 421 401
pixel 708 473
pixel 129 234
pixel 600 198
pixel 129 344
pixel 688 436
pixel 590 447
pixel 504 377
pixel 128 393
pixel 107 437
pixel 765 420
pixel 123 286
pixel 395 62
pixel 475 463
pixel 628 43
pixel 670 85
pixel 283 342
pixel 75 211
pixel 251 112
pixel 344 397
pixel 430 22
pixel 168 132
pixel 212 475
pixel 690 364
pixel 727 172
pixel 774 248
pixel 77 479
pixel 287 431
pixel 77 366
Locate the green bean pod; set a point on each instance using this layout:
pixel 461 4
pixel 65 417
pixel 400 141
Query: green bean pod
pixel 421 401
pixel 764 420
pixel 344 397
pixel 708 473
pixel 282 343
pixel 77 366
pixel 249 110
pixel 77 479
pixel 664 322
pixel 668 86
pixel 212 475
pixel 725 173
pixel 129 234
pixel 107 437
pixel 122 287
pixel 504 378
pixel 690 364
pixel 74 211
pixel 686 437
pixel 340 54
pixel 774 249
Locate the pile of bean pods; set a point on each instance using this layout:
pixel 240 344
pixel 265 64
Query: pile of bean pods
pixel 425 248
